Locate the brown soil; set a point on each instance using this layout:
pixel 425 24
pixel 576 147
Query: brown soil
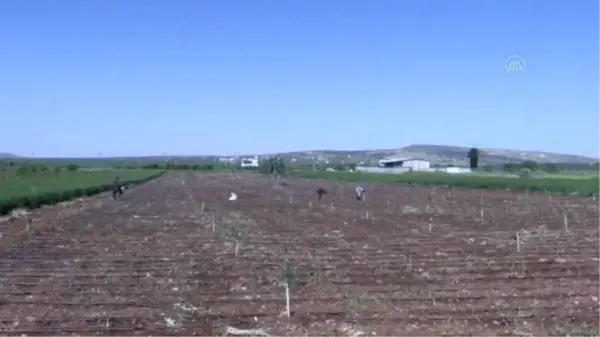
pixel 412 261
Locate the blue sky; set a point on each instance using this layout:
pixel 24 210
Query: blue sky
pixel 225 77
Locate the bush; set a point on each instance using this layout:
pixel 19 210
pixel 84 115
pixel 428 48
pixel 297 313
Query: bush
pixel 23 170
pixel 179 167
pixel 151 166
pixel 72 167
pixel 525 173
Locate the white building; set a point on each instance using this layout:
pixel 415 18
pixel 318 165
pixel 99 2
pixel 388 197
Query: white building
pixel 249 162
pixel 414 164
pixel 229 160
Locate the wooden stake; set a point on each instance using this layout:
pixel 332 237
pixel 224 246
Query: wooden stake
pixel 287 300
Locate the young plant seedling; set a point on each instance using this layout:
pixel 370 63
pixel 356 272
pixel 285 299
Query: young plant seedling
pixel 232 234
pixel 481 206
pixel 430 200
pixel 287 274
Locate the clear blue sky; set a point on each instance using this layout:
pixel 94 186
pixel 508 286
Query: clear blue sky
pixel 224 77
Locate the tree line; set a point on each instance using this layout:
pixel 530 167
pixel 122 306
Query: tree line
pixel 531 165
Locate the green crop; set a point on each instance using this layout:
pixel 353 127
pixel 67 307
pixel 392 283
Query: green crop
pixel 586 186
pixel 44 188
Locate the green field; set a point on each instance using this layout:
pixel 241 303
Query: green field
pixel 538 175
pixel 41 188
pixel 589 185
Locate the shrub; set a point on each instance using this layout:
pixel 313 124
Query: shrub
pixel 525 173
pixel 72 167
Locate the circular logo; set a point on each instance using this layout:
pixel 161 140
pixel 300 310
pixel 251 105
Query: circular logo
pixel 515 64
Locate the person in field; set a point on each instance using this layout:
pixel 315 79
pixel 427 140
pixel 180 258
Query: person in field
pixel 360 194
pixel 117 189
pixel 321 191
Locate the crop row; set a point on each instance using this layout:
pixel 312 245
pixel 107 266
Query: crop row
pixel 193 262
pixel 348 270
pixel 45 189
pixel 200 261
pixel 390 279
pixel 274 305
pixel 148 286
pixel 136 296
pixel 589 186
pixel 411 253
pixel 483 315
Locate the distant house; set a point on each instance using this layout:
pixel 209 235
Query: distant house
pixel 249 162
pixel 414 164
pixel 227 160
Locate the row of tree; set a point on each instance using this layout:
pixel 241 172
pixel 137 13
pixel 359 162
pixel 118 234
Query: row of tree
pixel 27 169
pixel 273 165
pixel 531 165
pixel 176 166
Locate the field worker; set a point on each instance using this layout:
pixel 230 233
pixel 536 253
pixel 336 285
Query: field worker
pixel 321 191
pixel 117 189
pixel 360 193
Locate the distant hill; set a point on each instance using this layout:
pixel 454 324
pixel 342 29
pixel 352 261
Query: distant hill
pixel 8 155
pixel 438 154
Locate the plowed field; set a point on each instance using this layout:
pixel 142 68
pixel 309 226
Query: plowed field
pixel 412 261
